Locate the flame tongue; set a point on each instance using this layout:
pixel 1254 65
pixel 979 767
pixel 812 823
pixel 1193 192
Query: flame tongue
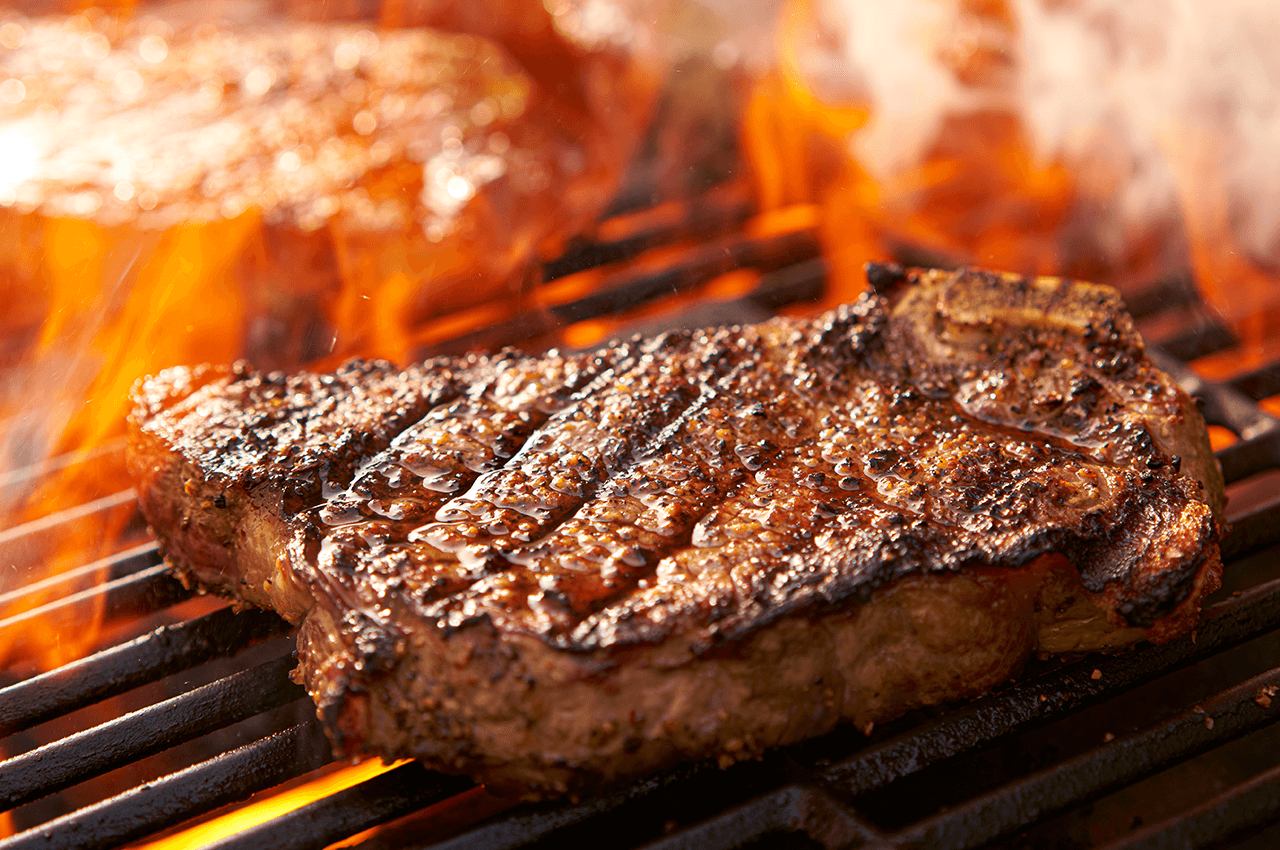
pixel 271 805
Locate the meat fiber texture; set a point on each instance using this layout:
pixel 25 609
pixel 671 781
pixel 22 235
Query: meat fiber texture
pixel 556 571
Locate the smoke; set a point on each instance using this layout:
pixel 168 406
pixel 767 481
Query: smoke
pixel 1178 101
pixel 915 62
pixel 1165 113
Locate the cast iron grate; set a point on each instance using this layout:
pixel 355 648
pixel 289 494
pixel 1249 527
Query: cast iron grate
pixel 841 791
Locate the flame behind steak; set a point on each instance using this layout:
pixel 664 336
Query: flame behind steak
pixel 557 570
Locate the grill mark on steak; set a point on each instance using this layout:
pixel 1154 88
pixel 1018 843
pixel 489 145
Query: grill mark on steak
pixel 448 450
pixel 625 538
pixel 614 541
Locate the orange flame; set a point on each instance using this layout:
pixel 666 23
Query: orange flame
pixel 1244 292
pixel 795 146
pixel 173 306
pixel 271 806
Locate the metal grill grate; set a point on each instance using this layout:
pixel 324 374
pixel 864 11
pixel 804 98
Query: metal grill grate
pixel 938 778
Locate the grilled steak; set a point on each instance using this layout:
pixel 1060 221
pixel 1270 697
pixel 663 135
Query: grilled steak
pixel 551 571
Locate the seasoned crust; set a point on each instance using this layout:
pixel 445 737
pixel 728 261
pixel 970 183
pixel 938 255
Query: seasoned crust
pixel 528 719
pixel 517 537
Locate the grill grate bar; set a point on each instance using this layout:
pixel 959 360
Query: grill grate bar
pixel 116 566
pixel 1259 383
pixel 1225 717
pixel 804 281
pixel 630 291
pixel 17 482
pixel 793 808
pixel 375 801
pixel 1252 532
pixel 1167 293
pixel 1249 457
pixel 711 216
pixel 227 778
pixel 525 827
pixel 694 267
pixel 1223 404
pixel 145 732
pixel 143 592
pixel 38 527
pixel 1231 816
pixel 1231 407
pixel 1203 336
pixel 160 653
pixel 686 793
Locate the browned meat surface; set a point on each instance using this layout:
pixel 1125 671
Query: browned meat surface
pixel 553 571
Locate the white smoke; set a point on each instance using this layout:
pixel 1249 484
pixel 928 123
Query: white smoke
pixel 1184 95
pixel 1163 110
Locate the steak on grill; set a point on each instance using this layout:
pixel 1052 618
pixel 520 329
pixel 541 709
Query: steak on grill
pixel 554 571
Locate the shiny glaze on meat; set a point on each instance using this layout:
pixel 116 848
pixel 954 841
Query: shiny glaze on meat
pixel 705 484
pixel 553 572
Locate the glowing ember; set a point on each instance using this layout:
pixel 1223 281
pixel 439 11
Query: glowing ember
pixel 439 821
pixel 272 805
pixel 1220 438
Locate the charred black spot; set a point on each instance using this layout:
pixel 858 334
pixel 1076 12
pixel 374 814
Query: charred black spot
pixel 1115 364
pixel 884 276
pixel 903 398
pixel 883 460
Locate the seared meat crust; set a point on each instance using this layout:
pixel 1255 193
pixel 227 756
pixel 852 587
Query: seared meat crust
pixel 551 571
